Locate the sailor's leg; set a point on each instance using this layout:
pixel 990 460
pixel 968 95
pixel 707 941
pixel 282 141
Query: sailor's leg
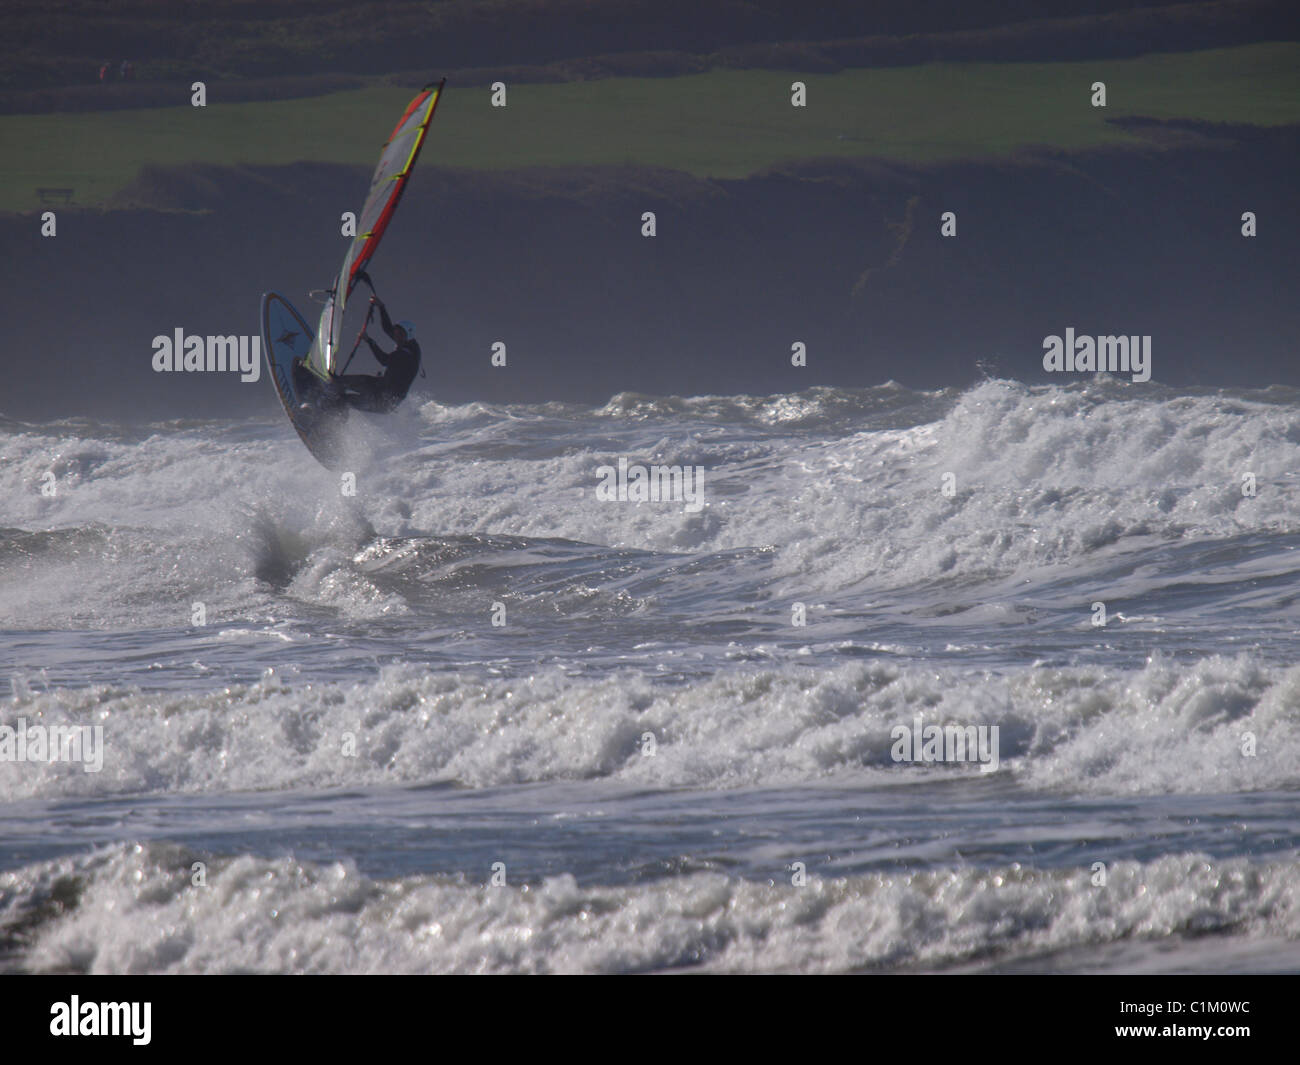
pixel 363 392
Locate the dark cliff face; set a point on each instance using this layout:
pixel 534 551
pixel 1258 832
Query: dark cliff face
pixel 846 258
pixel 55 47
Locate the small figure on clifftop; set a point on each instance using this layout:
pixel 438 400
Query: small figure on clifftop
pixel 128 70
pixel 103 73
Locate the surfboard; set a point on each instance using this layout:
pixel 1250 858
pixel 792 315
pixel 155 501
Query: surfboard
pixel 314 413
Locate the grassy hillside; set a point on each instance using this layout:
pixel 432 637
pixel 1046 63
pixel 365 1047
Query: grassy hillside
pixel 724 123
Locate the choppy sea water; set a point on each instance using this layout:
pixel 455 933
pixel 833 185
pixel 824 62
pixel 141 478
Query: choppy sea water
pixel 647 764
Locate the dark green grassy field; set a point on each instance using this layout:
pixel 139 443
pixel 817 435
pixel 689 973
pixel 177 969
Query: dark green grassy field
pixel 722 124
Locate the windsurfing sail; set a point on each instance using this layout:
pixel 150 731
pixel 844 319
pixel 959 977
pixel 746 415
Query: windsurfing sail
pixel 396 162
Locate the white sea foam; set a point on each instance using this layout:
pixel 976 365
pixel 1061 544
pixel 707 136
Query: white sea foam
pixel 137 910
pixel 1168 728
pixel 1043 476
pixel 626 619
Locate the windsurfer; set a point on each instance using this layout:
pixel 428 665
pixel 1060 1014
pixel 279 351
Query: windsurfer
pixel 381 393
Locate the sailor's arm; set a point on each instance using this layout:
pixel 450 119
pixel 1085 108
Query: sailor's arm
pixel 383 317
pixel 380 355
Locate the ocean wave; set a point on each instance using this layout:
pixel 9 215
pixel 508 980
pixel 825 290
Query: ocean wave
pixel 137 909
pixel 1218 724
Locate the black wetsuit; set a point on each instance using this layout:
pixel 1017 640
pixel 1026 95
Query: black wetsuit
pixel 381 394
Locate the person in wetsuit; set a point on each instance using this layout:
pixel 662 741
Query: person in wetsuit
pixel 381 393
